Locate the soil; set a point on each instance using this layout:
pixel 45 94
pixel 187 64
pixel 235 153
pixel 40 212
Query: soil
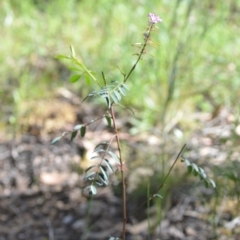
pixel 41 184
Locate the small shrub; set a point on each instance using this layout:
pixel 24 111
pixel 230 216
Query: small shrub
pixel 106 160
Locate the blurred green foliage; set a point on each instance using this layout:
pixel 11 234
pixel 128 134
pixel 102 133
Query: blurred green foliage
pixel 194 68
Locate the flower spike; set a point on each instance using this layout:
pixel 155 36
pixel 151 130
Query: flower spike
pixel 154 18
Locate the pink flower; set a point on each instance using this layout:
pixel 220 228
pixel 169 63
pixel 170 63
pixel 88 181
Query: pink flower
pixel 154 18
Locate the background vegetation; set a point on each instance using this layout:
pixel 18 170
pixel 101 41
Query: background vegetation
pixel 194 68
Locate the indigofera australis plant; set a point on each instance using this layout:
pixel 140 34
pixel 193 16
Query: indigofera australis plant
pixel 106 160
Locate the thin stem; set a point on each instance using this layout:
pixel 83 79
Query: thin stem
pixel 147 37
pixel 85 69
pixel 124 199
pixel 164 180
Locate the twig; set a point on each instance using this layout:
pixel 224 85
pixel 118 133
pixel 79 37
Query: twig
pixel 163 182
pixel 122 174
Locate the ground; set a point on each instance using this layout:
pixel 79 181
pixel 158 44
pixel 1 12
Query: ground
pixel 41 184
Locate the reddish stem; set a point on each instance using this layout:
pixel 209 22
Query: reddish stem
pixel 124 199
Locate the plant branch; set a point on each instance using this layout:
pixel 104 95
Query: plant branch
pixel 164 180
pixel 147 38
pixel 124 206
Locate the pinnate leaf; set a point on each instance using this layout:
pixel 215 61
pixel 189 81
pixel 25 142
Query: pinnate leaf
pixel 198 171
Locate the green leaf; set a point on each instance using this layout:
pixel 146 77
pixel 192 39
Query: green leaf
pixel 83 131
pixel 114 156
pixel 99 182
pixel 189 169
pixel 62 57
pixel 95 157
pixel 118 96
pixel 74 134
pixel 90 176
pixel 199 171
pixel 212 182
pixel 93 190
pixel 90 168
pixel 189 165
pixel 108 102
pixel 206 183
pixel 122 91
pixel 103 179
pixel 202 173
pixel 114 98
pixel 158 195
pixel 104 171
pixel 195 169
pixel 99 150
pixel 56 139
pixel 79 63
pixel 77 127
pixel 109 121
pixel 75 78
pixel 103 95
pixel 87 79
pixel 195 173
pixel 100 145
pixel 124 85
pixel 86 188
pixel 109 165
pixel 72 51
pixel 187 162
pixel 75 69
pixel 195 166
